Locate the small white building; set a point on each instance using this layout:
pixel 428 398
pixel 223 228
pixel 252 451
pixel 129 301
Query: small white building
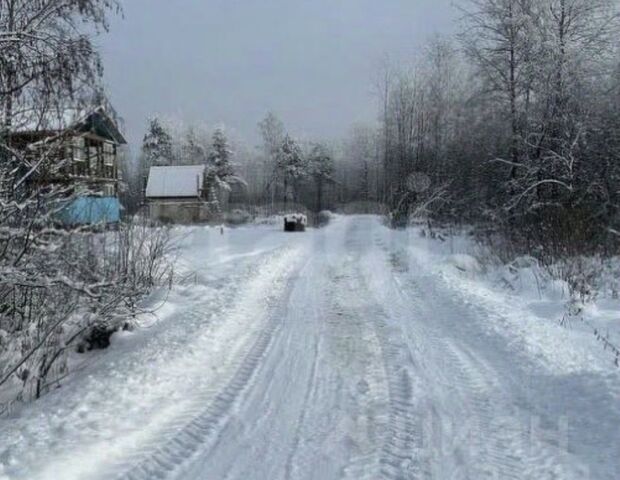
pixel 177 194
pixel 188 194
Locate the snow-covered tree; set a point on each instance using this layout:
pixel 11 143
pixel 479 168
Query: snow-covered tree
pixel 220 155
pixel 157 145
pixel 220 174
pixel 515 128
pixel 361 168
pixel 500 40
pixel 57 286
pixel 272 132
pixel 45 57
pixel 291 168
pixel 194 147
pixel 321 169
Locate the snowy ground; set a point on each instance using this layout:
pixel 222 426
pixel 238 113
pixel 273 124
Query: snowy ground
pixel 348 352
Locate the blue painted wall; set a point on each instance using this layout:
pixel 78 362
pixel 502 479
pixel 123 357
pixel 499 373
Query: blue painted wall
pixel 91 211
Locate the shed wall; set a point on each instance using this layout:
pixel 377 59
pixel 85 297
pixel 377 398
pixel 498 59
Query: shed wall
pixel 182 212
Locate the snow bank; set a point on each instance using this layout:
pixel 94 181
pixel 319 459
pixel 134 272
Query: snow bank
pixel 268 219
pixel 532 306
pixel 464 263
pixel 325 217
pixel 237 217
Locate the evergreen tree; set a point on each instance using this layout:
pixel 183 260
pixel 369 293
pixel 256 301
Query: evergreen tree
pixel 321 167
pixel 291 167
pixel 220 155
pixel 157 145
pixel 194 149
pixel 220 174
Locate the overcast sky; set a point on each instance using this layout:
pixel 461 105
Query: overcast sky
pixel 232 61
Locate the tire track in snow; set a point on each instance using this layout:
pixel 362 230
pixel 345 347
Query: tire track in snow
pixel 369 384
pixel 499 444
pixel 493 442
pixel 398 457
pixel 200 433
pixel 267 414
pixel 368 369
pixel 139 397
pixel 346 377
pixel 400 454
pixel 291 464
pixel 506 446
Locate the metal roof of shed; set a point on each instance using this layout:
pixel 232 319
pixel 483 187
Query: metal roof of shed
pixel 175 181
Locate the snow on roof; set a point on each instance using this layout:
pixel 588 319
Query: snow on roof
pixel 175 181
pixel 28 121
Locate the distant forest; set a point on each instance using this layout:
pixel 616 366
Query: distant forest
pixel 513 125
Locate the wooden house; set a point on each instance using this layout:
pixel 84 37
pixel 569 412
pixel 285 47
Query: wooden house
pixel 80 150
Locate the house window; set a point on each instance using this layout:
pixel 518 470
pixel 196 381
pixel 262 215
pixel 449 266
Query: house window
pixel 78 149
pixel 109 154
pixel 93 159
pixel 80 167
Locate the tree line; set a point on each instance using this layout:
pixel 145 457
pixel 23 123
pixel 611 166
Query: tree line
pixel 513 124
pixel 282 171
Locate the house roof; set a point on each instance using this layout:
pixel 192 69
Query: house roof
pixel 96 120
pixel 175 181
pixel 100 122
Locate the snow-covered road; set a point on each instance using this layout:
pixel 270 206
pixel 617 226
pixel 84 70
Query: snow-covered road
pixel 339 353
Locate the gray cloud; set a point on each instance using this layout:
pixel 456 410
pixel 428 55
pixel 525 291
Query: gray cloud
pixel 231 61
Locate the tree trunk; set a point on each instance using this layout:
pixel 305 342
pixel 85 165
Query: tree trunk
pixel 7 120
pixel 513 95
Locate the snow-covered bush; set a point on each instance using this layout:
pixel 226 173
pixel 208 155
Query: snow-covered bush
pixel 237 217
pixel 324 217
pixel 465 263
pixel 59 287
pixel 71 293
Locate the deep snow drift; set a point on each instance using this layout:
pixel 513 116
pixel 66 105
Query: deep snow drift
pixel 348 352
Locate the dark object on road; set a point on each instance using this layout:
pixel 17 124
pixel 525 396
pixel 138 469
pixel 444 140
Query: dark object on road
pixel 295 222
